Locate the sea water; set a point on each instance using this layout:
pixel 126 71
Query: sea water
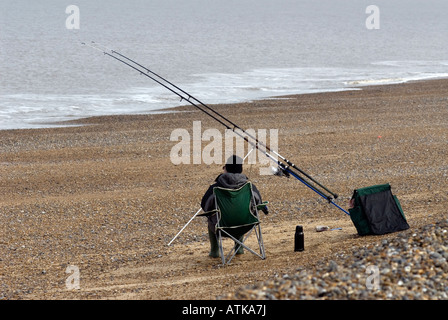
pixel 220 51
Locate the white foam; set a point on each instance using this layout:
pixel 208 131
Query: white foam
pixel 24 110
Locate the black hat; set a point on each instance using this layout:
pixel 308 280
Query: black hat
pixel 234 164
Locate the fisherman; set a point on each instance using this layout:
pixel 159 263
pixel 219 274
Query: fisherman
pixel 231 178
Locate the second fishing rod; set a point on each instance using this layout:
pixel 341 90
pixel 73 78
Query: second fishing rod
pixel 287 166
pixel 289 163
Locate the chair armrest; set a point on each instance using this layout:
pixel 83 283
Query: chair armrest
pixel 263 207
pixel 208 213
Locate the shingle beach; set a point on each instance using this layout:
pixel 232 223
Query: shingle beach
pixel 103 197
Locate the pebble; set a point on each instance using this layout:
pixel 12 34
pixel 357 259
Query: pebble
pixel 412 266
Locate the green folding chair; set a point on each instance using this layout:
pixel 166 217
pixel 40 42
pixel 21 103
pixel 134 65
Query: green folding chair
pixel 237 218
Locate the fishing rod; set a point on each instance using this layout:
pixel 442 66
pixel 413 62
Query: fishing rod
pixel 218 114
pixel 286 168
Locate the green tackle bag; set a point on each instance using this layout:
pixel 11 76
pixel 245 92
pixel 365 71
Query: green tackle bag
pixel 377 211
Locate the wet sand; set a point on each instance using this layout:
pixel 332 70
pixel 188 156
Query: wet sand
pixel 106 198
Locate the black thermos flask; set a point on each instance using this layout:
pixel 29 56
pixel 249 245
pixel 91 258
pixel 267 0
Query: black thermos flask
pixel 298 239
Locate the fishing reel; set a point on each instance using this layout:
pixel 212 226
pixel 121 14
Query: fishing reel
pixel 280 172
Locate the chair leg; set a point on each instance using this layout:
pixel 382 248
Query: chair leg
pixel 239 244
pixel 260 242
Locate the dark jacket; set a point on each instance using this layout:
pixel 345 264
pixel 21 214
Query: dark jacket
pixel 229 181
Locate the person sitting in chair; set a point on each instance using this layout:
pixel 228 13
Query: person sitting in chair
pixel 231 178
